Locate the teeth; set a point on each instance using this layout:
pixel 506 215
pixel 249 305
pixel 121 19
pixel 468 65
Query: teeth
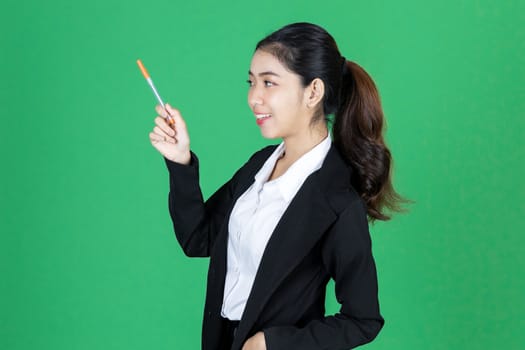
pixel 260 116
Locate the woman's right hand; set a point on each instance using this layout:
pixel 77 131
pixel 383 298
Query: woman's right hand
pixel 172 143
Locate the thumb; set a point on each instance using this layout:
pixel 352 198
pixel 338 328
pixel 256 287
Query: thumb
pixel 175 113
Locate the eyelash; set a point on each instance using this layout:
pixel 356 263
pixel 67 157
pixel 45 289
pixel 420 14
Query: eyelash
pixel 266 82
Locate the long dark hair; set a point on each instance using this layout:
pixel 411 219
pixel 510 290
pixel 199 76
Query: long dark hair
pixel 351 97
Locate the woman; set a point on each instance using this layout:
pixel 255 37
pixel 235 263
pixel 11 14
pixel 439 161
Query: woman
pixel 295 215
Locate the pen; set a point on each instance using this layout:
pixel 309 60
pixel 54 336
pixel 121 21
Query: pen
pixel 169 118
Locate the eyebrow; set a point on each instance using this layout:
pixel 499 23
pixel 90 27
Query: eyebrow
pixel 265 73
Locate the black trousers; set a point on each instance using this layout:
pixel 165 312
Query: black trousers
pixel 229 329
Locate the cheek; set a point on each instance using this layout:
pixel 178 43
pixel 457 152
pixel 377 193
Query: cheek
pixel 279 100
pixel 249 98
pixel 288 103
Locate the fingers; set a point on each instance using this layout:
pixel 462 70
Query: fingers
pixel 163 125
pixel 174 113
pixel 164 132
pixel 156 138
pixel 164 136
pixel 161 111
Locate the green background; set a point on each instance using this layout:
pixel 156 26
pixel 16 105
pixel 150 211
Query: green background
pixel 88 259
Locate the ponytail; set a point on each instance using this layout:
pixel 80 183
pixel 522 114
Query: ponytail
pixel 358 135
pixel 311 52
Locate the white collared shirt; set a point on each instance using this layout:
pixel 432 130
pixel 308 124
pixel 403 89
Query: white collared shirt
pixel 253 220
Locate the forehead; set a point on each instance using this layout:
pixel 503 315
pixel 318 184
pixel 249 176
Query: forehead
pixel 263 61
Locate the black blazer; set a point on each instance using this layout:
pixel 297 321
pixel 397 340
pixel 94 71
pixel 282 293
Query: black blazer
pixel 322 234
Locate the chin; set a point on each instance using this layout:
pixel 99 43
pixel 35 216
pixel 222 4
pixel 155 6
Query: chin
pixel 267 134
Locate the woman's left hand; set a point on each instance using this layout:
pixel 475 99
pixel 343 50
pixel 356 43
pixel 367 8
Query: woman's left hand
pixel 256 342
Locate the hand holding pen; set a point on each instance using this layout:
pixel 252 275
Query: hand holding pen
pixel 170 135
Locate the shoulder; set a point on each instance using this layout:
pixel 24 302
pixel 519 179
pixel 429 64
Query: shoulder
pixel 351 224
pixel 335 182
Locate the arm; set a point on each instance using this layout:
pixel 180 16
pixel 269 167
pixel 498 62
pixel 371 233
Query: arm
pixel 347 256
pixel 196 223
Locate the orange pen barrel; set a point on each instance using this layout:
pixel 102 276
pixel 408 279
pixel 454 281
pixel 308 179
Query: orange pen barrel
pixel 143 69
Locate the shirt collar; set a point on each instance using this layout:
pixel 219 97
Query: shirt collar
pixel 264 173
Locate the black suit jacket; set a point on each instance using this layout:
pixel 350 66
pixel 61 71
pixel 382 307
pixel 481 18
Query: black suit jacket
pixel 322 234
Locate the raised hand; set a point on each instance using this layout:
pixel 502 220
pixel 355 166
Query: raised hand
pixel 173 142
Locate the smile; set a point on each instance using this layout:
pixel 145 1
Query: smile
pixel 260 118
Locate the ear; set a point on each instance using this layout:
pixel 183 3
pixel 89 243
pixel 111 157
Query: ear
pixel 314 93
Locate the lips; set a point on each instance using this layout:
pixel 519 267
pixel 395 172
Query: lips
pixel 262 117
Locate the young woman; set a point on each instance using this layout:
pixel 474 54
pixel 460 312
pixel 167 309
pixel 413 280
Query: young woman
pixel 295 215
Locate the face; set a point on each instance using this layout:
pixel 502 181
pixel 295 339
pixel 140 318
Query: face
pixel 276 97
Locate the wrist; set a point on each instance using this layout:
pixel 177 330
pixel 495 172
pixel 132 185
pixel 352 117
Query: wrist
pixel 183 159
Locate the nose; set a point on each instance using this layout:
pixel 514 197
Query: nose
pixel 254 97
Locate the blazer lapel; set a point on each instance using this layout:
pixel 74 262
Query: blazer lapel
pixel 303 223
pixel 307 217
pixel 299 229
pixel 219 253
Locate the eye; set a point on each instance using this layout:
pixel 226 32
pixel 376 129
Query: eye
pixel 250 83
pixel 268 83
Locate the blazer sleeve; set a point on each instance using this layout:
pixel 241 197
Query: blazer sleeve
pixel 196 222
pixel 347 256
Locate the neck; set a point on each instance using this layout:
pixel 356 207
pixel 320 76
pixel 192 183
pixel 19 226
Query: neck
pixel 297 145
